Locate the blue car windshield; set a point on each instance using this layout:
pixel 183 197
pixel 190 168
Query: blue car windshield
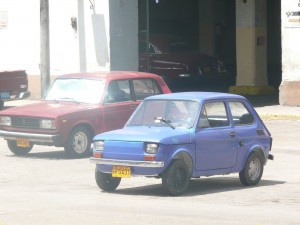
pixel 168 113
pixel 77 90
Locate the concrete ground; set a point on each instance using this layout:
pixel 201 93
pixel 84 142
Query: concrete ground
pixel 47 188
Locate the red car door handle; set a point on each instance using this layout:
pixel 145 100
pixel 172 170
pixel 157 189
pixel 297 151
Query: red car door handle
pixel 133 107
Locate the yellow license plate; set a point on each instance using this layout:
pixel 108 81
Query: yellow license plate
pixel 121 171
pixel 22 142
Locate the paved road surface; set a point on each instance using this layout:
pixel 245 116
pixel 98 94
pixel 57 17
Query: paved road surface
pixel 47 188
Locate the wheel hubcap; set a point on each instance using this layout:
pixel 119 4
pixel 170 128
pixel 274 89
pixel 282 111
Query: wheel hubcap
pixel 254 169
pixel 80 142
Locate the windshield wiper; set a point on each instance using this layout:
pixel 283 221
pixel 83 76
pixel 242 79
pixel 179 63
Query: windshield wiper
pixel 68 99
pixel 162 119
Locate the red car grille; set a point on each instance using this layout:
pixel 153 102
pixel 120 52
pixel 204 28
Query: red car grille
pixel 25 122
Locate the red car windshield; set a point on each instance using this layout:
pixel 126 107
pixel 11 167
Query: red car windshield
pixel 78 90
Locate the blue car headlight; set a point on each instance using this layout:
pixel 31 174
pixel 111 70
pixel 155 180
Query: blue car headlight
pixel 98 145
pixel 151 148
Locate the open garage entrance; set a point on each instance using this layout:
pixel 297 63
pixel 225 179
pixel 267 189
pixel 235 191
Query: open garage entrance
pixel 210 27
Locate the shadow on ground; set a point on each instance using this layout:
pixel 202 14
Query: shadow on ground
pixel 203 186
pixel 51 155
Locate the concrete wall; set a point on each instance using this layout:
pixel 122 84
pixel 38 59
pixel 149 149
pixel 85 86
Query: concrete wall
pixel 251 42
pixel 290 27
pixel 106 39
pixel 71 50
pixel 104 36
pixel 19 36
pixel 124 34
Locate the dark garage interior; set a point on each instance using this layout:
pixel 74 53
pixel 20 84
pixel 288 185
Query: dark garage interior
pixel 211 23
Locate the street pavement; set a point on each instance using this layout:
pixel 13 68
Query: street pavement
pixel 45 187
pixel 268 108
pixel 278 112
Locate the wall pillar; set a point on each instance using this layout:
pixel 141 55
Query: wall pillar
pixel 123 16
pixel 251 47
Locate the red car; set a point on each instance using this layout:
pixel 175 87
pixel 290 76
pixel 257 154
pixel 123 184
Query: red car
pixel 13 86
pixel 76 108
pixel 172 57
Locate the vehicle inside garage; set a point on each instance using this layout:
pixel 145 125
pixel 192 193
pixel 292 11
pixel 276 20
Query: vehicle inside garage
pixel 210 28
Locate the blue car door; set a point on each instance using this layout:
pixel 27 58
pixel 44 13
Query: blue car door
pixel 245 129
pixel 216 142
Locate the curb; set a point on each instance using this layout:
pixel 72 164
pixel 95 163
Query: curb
pixel 278 117
pixel 251 90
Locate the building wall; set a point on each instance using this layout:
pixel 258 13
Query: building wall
pixel 71 50
pixel 124 34
pixel 251 37
pixel 106 39
pixel 290 86
pixel 19 35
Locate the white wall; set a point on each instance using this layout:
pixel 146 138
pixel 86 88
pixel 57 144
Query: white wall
pixel 70 51
pixel 19 41
pixel 290 40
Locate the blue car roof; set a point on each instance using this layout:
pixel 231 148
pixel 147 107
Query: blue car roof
pixel 197 96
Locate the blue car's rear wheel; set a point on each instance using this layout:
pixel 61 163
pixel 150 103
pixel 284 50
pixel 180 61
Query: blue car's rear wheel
pixel 253 170
pixel 106 182
pixel 175 179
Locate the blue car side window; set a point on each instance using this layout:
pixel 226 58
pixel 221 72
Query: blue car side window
pixel 213 114
pixel 241 116
pixel 203 121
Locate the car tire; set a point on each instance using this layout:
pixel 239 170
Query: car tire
pixel 175 179
pixel 253 170
pixel 106 182
pixel 79 143
pixel 12 145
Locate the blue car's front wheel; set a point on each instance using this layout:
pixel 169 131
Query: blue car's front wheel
pixel 176 178
pixel 106 182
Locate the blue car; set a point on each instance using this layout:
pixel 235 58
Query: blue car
pixel 186 135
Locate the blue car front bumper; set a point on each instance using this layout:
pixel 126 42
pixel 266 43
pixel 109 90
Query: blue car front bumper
pixel 117 162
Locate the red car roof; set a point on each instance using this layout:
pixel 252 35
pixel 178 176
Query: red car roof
pixel 110 75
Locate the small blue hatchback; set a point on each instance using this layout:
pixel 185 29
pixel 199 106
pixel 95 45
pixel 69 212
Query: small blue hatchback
pixel 186 135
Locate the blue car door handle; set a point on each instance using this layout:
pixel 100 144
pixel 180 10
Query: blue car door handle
pixel 232 134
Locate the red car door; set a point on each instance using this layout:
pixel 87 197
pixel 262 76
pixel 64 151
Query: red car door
pixel 117 114
pixel 118 104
